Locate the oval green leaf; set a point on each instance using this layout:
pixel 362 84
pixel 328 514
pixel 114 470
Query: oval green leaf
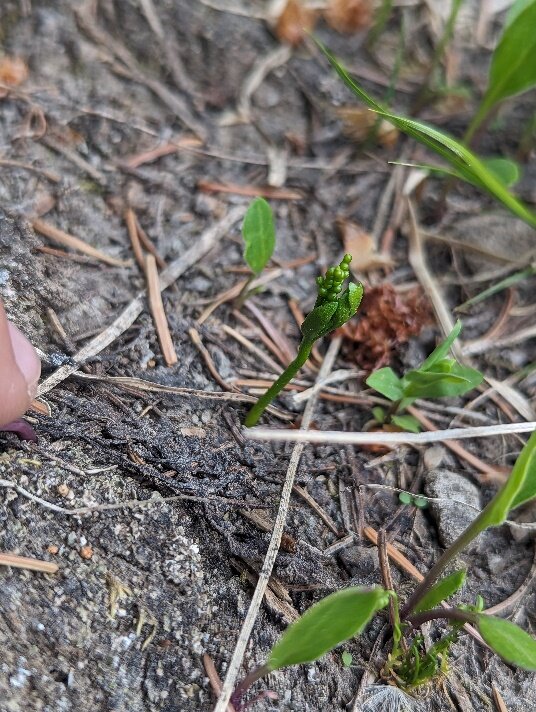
pixel 325 625
pixel 386 382
pixel 258 231
pixel 508 172
pixel 407 422
pixel 448 382
pixel 509 641
pixel 442 590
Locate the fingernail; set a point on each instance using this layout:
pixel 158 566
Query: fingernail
pixel 26 358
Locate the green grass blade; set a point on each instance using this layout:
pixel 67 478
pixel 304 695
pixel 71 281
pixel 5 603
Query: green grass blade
pixel 498 287
pixel 466 164
pixel 443 348
pixel 325 625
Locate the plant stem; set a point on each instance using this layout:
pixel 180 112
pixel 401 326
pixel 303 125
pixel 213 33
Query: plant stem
pixel 246 683
pixel 478 119
pixel 288 374
pixel 451 614
pixel 473 530
pixel 244 292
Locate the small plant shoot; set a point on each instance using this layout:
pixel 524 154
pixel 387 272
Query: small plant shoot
pixel 346 613
pixel 258 233
pixel 437 377
pixel 333 308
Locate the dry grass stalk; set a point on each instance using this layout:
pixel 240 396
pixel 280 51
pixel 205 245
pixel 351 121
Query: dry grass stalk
pixel 23 562
pixel 157 310
pixel 63 238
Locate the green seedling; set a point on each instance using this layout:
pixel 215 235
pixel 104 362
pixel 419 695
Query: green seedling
pixel 258 232
pixel 513 64
pixel 332 309
pixel 437 377
pixel 464 164
pixel 346 613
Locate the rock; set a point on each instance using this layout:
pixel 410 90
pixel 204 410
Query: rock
pixel 459 502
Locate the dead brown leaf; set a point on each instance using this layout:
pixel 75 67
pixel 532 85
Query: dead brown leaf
pixel 349 16
pixel 386 320
pixel 360 245
pixel 294 22
pixel 13 70
pixel 358 123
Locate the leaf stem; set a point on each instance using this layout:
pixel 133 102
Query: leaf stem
pixel 450 614
pixel 244 685
pixel 288 374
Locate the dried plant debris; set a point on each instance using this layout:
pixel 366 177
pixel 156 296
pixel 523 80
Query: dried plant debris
pixel 348 16
pixel 387 320
pixel 294 22
pixel 362 247
pixel 361 124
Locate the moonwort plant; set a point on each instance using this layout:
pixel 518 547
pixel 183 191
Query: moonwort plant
pixel 346 613
pixel 332 309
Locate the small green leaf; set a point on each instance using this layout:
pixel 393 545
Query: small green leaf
pixel 508 172
pixel 407 422
pixel 318 320
pixel 513 65
pixel 379 414
pixel 450 380
pixel 420 502
pixel 325 625
pixel 258 231
pixel 386 382
pixel 519 488
pixel 443 348
pixel 405 497
pixel 512 643
pixel 346 659
pixel 442 590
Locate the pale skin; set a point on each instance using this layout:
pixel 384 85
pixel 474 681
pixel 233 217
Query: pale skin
pixel 20 369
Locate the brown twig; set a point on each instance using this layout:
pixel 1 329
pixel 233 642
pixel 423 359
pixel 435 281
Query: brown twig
pixel 130 220
pixel 63 238
pixel 324 516
pixel 250 191
pixel 497 697
pixel 207 358
pixel 214 679
pixel 23 562
pixel 157 310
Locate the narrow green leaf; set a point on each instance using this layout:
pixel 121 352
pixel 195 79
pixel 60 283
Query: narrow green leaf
pixel 443 348
pixel 508 172
pixel 527 462
pixel 498 287
pixel 519 488
pixel 325 625
pixel 442 590
pixel 407 423
pixel 513 65
pixel 258 231
pixel 441 384
pixel 386 382
pixel 512 643
pixel 318 320
pixel 465 163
